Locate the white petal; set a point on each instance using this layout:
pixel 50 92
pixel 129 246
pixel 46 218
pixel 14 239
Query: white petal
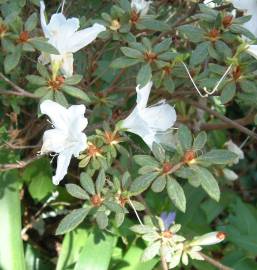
pixel 230 175
pixel 80 145
pixel 56 112
pixel 159 117
pixel 77 117
pixel 43 18
pixel 84 37
pixel 195 255
pixel 252 50
pixel 67 64
pixel 44 58
pixel 141 6
pixel 208 239
pixel 63 162
pixel 143 95
pixel 54 140
pixel 235 149
pixel 185 258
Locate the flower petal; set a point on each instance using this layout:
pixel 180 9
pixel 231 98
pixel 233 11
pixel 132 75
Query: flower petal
pixel 143 95
pixel 63 162
pixel 84 37
pixel 56 112
pixel 67 64
pixel 54 140
pixel 252 50
pixel 159 117
pixel 77 117
pixel 208 239
pixel 43 18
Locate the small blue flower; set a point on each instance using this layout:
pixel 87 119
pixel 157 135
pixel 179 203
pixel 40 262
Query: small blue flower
pixel 168 219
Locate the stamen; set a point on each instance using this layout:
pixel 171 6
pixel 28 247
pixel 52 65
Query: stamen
pixel 134 209
pixel 204 88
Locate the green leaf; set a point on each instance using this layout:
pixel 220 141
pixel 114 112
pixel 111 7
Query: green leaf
pixel 163 46
pixel 200 53
pixel 228 92
pixel 41 91
pixel 31 22
pixel 144 75
pixel 87 183
pixel 72 220
pixel 97 252
pixel 217 156
pixel 132 260
pixel 124 62
pixel 151 251
pixel 176 194
pixel 75 92
pixel 72 245
pixel 73 80
pixel 101 219
pixel 248 86
pixel 43 46
pixel 132 53
pixel 208 183
pixel 37 80
pixel 11 249
pixel 113 206
pixel 152 24
pixel 159 184
pixel 100 181
pixel 76 191
pixel 200 141
pixel 144 160
pixel 158 152
pixel 12 60
pixel 185 137
pixel 194 34
pixel 142 183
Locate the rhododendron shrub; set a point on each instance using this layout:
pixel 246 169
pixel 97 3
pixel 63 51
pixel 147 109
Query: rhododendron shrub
pixel 128 134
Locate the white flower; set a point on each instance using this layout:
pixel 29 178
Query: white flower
pixel 235 149
pixel 210 3
pixel 192 249
pixel 147 122
pixel 141 6
pixel 250 8
pixel 63 34
pixel 66 138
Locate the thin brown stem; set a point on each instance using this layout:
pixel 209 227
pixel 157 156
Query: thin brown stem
pixel 215 263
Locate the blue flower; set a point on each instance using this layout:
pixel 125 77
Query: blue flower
pixel 168 219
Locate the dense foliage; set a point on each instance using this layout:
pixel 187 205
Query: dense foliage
pixel 127 134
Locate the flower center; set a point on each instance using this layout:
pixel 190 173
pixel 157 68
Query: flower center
pixel 93 150
pixel 56 84
pixel 189 156
pixel 23 37
pixel 227 21
pixel 111 138
pixel 122 200
pixel 167 234
pixel 167 70
pixel 96 200
pixel 134 17
pixel 115 25
pixel 166 168
pixel 150 57
pixel 3 30
pixel 214 34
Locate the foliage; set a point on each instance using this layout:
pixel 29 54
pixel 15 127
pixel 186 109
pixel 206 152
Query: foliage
pixel 107 211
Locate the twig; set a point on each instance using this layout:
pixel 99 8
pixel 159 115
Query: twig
pixel 19 164
pixel 19 91
pixel 215 263
pixel 223 118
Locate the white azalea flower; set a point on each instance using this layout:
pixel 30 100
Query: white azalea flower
pixel 250 8
pixel 147 122
pixel 63 34
pixel 66 138
pixel 141 6
pixel 235 149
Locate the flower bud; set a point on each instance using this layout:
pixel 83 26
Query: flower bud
pixel 208 239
